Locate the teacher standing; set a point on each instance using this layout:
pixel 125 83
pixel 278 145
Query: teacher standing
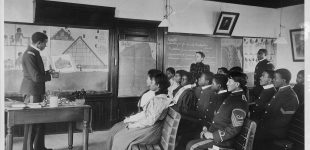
pixel 33 88
pixel 197 68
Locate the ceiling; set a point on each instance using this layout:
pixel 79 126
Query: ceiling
pixel 263 3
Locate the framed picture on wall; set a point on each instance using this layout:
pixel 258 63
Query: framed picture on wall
pixel 298 44
pixel 226 23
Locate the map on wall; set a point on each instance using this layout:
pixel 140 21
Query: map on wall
pixel 231 52
pixel 250 49
pixel 78 54
pixel 135 60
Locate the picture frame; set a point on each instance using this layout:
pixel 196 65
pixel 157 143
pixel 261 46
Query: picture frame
pixel 226 23
pixel 298 44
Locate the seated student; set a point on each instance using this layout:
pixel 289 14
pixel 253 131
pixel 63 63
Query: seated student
pixel 170 72
pixel 178 79
pixel 257 109
pixel 299 87
pixel 203 94
pixel 220 88
pixel 143 127
pixel 148 94
pixel 185 100
pixel 229 118
pixel 222 70
pixel 191 124
pixel 278 114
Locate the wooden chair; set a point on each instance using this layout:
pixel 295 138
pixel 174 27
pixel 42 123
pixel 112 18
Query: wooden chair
pixel 244 140
pixel 296 133
pixel 169 132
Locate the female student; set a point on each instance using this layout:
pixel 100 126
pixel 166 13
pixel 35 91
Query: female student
pixel 229 118
pixel 145 126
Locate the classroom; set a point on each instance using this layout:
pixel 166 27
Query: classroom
pixel 154 74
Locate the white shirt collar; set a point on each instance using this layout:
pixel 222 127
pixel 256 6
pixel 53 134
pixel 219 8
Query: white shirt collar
pixel 237 91
pixel 284 87
pixel 205 87
pixel 268 86
pixel 34 47
pixel 222 91
pixel 187 86
pixel 262 59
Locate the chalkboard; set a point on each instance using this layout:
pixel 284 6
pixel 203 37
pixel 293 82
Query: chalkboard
pixel 180 51
pixel 79 54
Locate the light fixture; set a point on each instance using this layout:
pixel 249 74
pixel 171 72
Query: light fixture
pixel 281 39
pixel 165 22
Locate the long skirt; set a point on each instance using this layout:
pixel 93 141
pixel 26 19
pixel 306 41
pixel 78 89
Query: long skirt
pixel 122 138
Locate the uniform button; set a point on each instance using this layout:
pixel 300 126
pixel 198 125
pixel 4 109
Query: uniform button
pixel 265 112
pixel 199 99
pixel 269 104
pixel 201 92
pixel 224 103
pixel 258 97
pixel 274 97
pixel 207 110
pixel 212 121
pixel 205 116
pixel 210 102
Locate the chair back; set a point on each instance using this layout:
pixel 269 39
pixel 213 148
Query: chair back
pixel 170 128
pixel 245 139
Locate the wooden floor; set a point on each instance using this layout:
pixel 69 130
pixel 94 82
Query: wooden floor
pixel 60 141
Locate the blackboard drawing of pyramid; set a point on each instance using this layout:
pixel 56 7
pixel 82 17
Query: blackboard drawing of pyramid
pixel 62 35
pixel 84 57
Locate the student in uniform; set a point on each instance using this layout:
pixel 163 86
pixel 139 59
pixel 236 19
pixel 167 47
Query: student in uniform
pixel 229 118
pixel 148 94
pixel 299 87
pixel 145 126
pixel 191 119
pixel 220 88
pixel 278 114
pixel 257 108
pixel 33 88
pixel 262 65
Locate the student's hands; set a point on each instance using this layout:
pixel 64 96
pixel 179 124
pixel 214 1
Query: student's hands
pixel 126 120
pixel 204 129
pixel 130 125
pixel 208 135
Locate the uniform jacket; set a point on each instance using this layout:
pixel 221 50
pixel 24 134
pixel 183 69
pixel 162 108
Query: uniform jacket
pixel 259 69
pixel 258 109
pixel 34 74
pixel 228 120
pixel 197 68
pixel 279 112
pixel 299 90
pixel 186 102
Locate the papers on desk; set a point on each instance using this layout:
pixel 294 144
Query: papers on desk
pixel 29 105
pixel 19 105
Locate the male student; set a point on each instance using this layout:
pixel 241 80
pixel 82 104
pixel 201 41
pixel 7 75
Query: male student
pixel 198 67
pixel 257 109
pixel 262 65
pixel 299 87
pixel 33 88
pixel 170 72
pixel 278 114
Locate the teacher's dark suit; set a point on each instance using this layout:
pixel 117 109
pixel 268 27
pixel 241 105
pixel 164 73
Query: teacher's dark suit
pixel 33 89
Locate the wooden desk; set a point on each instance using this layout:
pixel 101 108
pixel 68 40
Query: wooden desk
pixel 47 115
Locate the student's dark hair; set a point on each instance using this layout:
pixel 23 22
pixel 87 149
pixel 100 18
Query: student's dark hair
pixel 225 70
pixel 201 54
pixel 285 74
pixel 221 79
pixel 302 72
pixel 171 70
pixel 181 72
pixel 153 72
pixel 241 78
pixel 270 73
pixel 236 69
pixel 190 77
pixel 262 50
pixel 163 82
pixel 209 76
pixel 38 37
